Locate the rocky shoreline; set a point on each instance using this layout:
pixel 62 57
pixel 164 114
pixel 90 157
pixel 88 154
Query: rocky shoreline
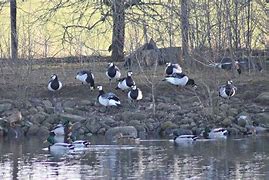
pixel 40 115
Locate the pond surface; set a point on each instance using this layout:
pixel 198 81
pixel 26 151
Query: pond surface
pixel 246 158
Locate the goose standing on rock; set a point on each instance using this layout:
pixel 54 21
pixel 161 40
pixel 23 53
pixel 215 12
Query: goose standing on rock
pixel 107 99
pixel 127 82
pixel 113 72
pixel 54 83
pixel 180 79
pixel 86 77
pixel 135 93
pixel 228 90
pixel 172 68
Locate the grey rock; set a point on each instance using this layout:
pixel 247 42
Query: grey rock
pixel 93 125
pixel 233 112
pixel 71 117
pixel 262 119
pixel 242 130
pixel 2 131
pixel 177 132
pixel 244 119
pixel 185 126
pixel 40 109
pixel 16 132
pixel 33 130
pixel 5 107
pixel 233 131
pixel 33 110
pixel 43 131
pixel 102 131
pixel 168 125
pixel 69 110
pixel 38 118
pixel 134 123
pixel 102 109
pixel 109 121
pixel 263 98
pixel 226 122
pixel 125 130
pixel 168 107
pixel 127 116
pixel 86 103
pixel 53 118
pixel 69 104
pixel 48 106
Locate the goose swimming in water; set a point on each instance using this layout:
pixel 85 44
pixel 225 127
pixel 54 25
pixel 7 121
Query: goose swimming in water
pixel 228 90
pixel 180 79
pixel 86 77
pixel 55 147
pixel 172 68
pixel 54 83
pixel 185 138
pixel 216 133
pixel 107 99
pixel 127 82
pixel 62 128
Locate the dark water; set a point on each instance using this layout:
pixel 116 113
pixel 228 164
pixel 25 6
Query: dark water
pixel 246 158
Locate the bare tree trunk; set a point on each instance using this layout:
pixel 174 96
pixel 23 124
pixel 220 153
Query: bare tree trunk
pixel 185 30
pixel 13 22
pixel 219 20
pixel 248 46
pixel 209 28
pixel 236 25
pixel 118 30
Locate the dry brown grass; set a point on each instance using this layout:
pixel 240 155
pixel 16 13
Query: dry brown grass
pixel 26 80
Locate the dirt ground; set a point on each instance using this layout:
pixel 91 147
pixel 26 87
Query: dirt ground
pixel 26 80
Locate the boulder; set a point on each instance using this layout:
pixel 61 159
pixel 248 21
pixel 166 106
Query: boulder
pixel 93 125
pixel 166 127
pixel 71 117
pixel 38 118
pixel 69 104
pixel 263 98
pixel 48 106
pixel 127 116
pixel 33 130
pixel 16 132
pixel 262 119
pixel 227 121
pixel 168 107
pixel 109 122
pixel 244 119
pixel 5 107
pixel 125 130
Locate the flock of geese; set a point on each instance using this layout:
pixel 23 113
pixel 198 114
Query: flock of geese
pixel 174 75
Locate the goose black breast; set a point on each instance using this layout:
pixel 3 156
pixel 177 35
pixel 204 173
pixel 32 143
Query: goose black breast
pixel 169 70
pixel 134 94
pixel 111 72
pixel 129 81
pixel 229 90
pixel 54 84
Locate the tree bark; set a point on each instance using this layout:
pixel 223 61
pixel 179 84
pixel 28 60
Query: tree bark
pixel 13 24
pixel 118 10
